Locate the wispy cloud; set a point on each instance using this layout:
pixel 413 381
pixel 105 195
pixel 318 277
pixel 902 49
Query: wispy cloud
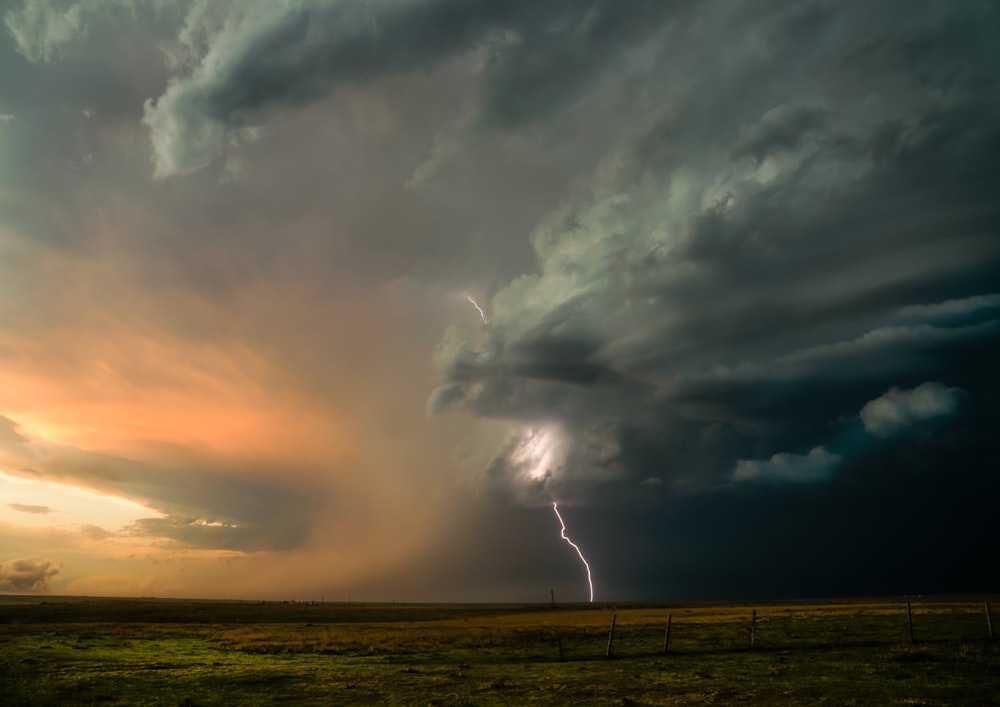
pixel 27 508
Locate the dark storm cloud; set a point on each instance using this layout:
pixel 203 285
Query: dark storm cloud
pixel 780 129
pixel 814 224
pixel 535 58
pixel 77 170
pixel 31 574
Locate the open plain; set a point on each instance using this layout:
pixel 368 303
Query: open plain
pixel 166 652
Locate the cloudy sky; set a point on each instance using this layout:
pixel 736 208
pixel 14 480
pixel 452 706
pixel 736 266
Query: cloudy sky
pixel 334 299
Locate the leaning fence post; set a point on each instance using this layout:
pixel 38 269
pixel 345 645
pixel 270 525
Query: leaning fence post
pixel 909 620
pixel 611 636
pixel 559 645
pixel 666 635
pixel 989 623
pixel 753 627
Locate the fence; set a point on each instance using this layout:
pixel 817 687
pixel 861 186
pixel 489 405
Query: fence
pixel 777 628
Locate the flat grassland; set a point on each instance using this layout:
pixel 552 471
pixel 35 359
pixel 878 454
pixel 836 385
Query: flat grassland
pixel 163 652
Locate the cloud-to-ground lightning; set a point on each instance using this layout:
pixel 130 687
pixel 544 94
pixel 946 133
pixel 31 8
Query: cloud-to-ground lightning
pixel 479 309
pixel 562 534
pixel 536 456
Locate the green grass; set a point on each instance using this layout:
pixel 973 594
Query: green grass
pixel 150 652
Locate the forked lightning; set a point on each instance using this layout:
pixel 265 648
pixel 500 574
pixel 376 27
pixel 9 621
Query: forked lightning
pixel 479 309
pixel 562 534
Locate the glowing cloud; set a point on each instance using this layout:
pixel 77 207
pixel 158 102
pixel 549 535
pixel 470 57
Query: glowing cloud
pixel 65 505
pixel 538 453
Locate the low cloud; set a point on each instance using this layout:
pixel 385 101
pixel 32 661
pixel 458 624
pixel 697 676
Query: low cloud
pixel 96 532
pixel 26 508
pixel 898 409
pixel 27 575
pixel 205 534
pixel 815 466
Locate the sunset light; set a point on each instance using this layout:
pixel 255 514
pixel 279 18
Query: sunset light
pixel 34 503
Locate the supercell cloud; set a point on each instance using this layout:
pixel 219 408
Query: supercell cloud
pixel 737 264
pixel 803 221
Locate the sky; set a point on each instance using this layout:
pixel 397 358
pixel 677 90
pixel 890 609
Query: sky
pixel 334 299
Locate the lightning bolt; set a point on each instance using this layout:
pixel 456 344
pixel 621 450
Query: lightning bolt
pixel 479 309
pixel 562 534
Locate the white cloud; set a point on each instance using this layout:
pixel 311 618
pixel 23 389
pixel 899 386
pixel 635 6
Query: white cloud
pixel 817 465
pixel 898 409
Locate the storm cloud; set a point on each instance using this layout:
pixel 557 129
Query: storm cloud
pixel 762 262
pixel 31 574
pixel 252 57
pixel 737 264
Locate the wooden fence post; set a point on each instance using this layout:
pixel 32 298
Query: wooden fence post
pixel 909 620
pixel 552 593
pixel 611 636
pixel 753 627
pixel 559 645
pixel 989 623
pixel 666 635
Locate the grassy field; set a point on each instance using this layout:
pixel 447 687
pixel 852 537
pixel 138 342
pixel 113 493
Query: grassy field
pixel 159 652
